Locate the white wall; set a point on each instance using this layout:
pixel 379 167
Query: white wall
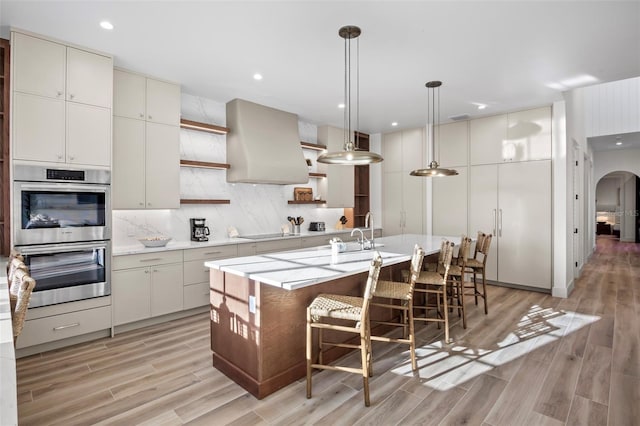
pixel 625 160
pixel 628 210
pixel 607 194
pixel 560 190
pixel 612 108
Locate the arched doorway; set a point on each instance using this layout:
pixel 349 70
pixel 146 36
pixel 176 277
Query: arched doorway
pixel 617 206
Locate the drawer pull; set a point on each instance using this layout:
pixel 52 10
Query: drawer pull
pixel 212 252
pixel 62 327
pixel 151 260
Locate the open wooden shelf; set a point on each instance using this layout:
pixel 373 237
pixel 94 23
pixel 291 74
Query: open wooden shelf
pixel 204 164
pixel 313 146
pixel 317 175
pixel 203 127
pixel 196 201
pixel 307 202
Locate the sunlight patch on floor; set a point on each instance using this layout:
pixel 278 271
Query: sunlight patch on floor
pixel 443 367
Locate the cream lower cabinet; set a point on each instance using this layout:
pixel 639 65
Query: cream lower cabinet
pixel 513 202
pixel 196 275
pixel 146 285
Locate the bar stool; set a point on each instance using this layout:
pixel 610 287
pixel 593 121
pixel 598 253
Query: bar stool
pixel 456 279
pixel 478 265
pixel 401 295
pixel 351 308
pixel 22 286
pixel 434 283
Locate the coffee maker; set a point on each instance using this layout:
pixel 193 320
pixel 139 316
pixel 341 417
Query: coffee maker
pixel 199 231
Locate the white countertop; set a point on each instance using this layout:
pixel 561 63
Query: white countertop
pixel 136 247
pixel 8 387
pixel 295 269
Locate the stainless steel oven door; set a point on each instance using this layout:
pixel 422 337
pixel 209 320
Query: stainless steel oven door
pixel 55 212
pixel 68 272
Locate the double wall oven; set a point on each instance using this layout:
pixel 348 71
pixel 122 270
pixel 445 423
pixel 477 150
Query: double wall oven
pixel 62 227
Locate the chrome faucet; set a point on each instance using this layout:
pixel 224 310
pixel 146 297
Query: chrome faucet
pixel 368 223
pixel 362 238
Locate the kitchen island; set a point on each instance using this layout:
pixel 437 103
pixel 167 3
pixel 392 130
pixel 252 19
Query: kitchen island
pixel 258 305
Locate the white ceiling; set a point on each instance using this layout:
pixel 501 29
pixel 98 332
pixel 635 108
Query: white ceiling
pixel 507 54
pixel 608 142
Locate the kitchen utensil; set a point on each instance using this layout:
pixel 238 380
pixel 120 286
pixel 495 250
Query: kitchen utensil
pixel 299 220
pixel 343 219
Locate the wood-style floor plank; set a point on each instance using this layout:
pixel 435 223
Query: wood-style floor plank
pixel 534 360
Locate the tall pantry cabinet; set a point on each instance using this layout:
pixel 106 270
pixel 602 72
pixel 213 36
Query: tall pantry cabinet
pixel 508 186
pixel 403 196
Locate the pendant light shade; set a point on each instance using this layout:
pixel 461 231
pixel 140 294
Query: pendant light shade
pixel 434 169
pixel 350 155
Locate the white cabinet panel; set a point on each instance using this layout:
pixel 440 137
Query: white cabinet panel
pixel 88 135
pixel 129 95
pixel 131 292
pixel 38 128
pixel 89 78
pixel 128 178
pixel 453 143
pixel 39 66
pixel 392 209
pixel 166 289
pixel 339 184
pixel 413 204
pixel 163 102
pixel 528 135
pixel 196 295
pixel 413 149
pixel 450 204
pixel 392 152
pixel 483 209
pixel 524 223
pixel 162 166
pixel 486 138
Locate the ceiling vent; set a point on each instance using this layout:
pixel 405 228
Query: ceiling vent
pixel 263 145
pixel 459 117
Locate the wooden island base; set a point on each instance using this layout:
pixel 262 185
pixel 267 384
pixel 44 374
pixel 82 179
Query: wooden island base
pixel 258 330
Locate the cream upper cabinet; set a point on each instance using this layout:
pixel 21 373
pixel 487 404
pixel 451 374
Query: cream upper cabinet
pixel 128 178
pixel 528 135
pixel 39 66
pixel 146 168
pixel 452 143
pixel 62 103
pixel 339 184
pixel 486 139
pixel 146 146
pixel 162 166
pixel 89 78
pixel 145 98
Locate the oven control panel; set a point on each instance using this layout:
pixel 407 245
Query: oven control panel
pixel 56 174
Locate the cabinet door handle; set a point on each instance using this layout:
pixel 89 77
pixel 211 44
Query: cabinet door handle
pixel 71 95
pixel 151 260
pixel 495 221
pixel 146 271
pixel 141 115
pixel 71 157
pixel 500 224
pixel 155 270
pixel 62 327
pixel 212 252
pixel 150 118
pixel 141 203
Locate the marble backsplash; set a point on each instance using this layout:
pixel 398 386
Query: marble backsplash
pixel 254 208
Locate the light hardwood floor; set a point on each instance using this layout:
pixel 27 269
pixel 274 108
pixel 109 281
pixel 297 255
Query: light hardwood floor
pixel 534 360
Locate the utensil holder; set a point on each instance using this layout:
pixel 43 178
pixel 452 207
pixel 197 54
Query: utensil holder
pixel 296 229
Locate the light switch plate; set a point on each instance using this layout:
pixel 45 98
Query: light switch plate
pixel 252 304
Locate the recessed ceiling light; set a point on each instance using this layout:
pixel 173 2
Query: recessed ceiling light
pixel 618 143
pixel 106 25
pixel 394 124
pixel 257 76
pixel 341 106
pixel 481 106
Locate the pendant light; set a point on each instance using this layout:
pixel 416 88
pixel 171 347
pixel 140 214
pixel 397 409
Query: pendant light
pixel 434 169
pixel 350 155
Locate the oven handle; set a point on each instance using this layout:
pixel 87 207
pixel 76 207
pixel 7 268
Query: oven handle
pixel 65 187
pixel 56 248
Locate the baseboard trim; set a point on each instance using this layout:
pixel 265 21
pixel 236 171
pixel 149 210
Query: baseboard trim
pixel 158 320
pixel 563 292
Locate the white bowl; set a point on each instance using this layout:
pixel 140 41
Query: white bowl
pixel 154 241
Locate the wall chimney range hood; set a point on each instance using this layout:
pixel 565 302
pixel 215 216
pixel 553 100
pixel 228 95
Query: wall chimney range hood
pixel 263 145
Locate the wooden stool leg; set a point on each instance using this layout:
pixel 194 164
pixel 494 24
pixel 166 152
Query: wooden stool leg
pixel 309 353
pixel 484 291
pixel 365 369
pixel 412 338
pixel 446 316
pixel 461 302
pixel 475 287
